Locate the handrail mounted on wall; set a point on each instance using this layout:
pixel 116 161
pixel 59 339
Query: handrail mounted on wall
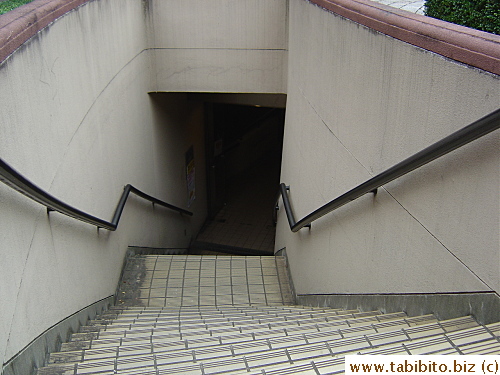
pixel 458 139
pixel 15 180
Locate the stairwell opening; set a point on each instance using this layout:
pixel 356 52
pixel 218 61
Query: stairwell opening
pixel 243 152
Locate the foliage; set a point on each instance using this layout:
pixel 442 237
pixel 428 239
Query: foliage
pixel 8 5
pixel 478 14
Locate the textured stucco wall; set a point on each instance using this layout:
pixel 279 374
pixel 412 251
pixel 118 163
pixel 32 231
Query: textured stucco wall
pixel 358 103
pixel 77 120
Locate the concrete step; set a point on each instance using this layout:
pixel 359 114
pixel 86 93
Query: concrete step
pixel 214 317
pixel 234 325
pixel 444 344
pixel 169 333
pixel 413 328
pixel 257 355
pixel 346 328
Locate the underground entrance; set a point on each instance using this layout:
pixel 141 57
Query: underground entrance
pixel 243 154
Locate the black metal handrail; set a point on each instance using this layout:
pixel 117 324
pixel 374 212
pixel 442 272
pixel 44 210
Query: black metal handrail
pixel 458 139
pixel 15 180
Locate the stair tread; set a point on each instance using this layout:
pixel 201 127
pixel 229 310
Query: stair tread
pixel 223 338
pixel 243 338
pixel 229 324
pixel 437 344
pixel 257 330
pixel 231 362
pixel 255 352
pixel 490 346
pixel 240 318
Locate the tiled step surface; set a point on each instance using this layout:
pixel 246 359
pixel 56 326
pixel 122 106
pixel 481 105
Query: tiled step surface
pixel 304 333
pixel 338 328
pixel 192 337
pixel 290 355
pixel 348 322
pixel 205 280
pixel 485 341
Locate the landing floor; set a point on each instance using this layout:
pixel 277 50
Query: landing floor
pixel 208 280
pixel 245 221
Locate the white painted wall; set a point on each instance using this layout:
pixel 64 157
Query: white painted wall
pixel 358 103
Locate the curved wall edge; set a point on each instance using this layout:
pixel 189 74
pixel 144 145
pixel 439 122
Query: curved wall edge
pixel 469 46
pixel 35 354
pixel 484 307
pixel 20 24
pixel 460 43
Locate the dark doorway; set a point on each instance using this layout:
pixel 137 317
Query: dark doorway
pixel 244 145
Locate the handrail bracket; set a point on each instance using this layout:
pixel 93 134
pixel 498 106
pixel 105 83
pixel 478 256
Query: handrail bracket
pixel 469 133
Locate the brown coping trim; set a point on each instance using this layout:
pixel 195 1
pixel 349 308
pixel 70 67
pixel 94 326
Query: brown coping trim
pixel 20 24
pixel 459 43
pixel 469 46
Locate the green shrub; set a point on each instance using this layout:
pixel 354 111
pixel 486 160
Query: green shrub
pixel 8 5
pixel 477 14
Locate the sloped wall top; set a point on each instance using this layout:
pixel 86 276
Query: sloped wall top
pixel 20 24
pixel 469 46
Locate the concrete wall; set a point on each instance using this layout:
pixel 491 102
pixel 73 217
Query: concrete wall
pixel 358 103
pixel 78 121
pixel 219 45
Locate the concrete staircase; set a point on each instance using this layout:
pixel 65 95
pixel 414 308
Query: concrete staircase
pixel 235 315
